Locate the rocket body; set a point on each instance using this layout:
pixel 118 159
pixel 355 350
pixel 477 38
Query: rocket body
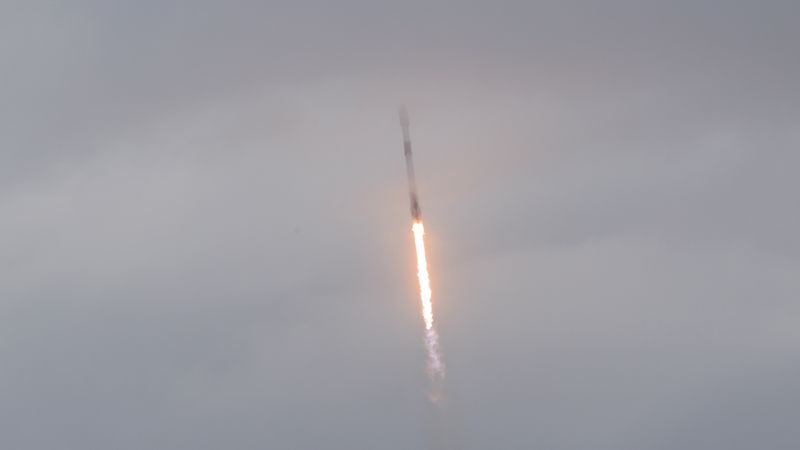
pixel 416 212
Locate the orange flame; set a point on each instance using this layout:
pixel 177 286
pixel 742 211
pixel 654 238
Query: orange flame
pixel 435 364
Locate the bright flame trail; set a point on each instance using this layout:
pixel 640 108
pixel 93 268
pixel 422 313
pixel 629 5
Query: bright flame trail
pixel 435 364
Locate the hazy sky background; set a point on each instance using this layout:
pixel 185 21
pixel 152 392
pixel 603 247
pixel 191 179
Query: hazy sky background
pixel 204 227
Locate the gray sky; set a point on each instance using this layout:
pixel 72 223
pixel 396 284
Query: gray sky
pixel 205 235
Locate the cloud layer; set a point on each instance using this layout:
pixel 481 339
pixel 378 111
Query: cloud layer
pixel 205 241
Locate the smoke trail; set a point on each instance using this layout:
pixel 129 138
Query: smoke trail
pixel 435 363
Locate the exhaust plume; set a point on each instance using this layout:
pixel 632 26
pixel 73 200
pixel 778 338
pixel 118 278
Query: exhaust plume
pixel 435 364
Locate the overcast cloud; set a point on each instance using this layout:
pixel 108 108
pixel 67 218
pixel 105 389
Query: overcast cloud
pixel 205 244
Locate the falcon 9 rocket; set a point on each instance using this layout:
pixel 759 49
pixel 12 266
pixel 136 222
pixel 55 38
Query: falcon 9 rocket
pixel 416 213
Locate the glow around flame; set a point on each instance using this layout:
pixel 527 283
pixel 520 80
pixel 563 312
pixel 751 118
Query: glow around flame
pixel 435 364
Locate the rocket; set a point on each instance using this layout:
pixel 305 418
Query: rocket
pixel 416 213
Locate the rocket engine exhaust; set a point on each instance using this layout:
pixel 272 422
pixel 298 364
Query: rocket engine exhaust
pixel 435 363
